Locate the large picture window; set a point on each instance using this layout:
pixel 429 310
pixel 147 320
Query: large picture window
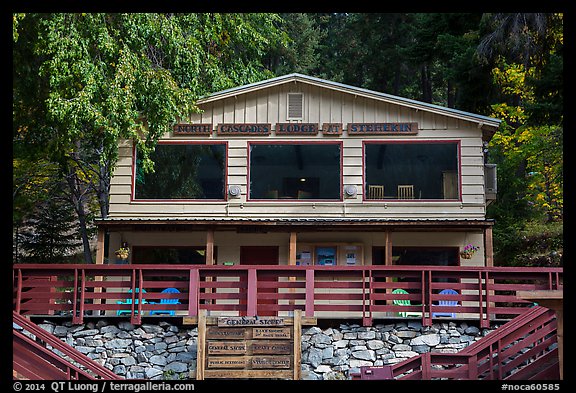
pixel 183 171
pixel 295 171
pixel 412 170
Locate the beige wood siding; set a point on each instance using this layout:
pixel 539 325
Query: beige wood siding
pixel 320 106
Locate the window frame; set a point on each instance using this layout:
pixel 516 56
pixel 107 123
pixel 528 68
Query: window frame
pixel 292 142
pixel 180 200
pixel 456 142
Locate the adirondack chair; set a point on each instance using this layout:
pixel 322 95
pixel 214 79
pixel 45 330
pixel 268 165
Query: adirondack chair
pixel 166 301
pixel 129 301
pixel 446 303
pixel 404 302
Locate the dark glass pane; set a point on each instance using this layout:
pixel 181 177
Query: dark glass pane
pixel 295 171
pixel 412 171
pixel 183 172
pixel 169 255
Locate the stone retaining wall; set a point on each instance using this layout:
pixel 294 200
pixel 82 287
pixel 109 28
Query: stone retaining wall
pixel 166 351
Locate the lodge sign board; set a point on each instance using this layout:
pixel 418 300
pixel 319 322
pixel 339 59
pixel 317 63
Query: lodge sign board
pixel 193 129
pixel 232 129
pixel 261 347
pixel 226 347
pixel 271 333
pixel 310 129
pixel 245 362
pixel 250 321
pixel 296 128
pixel 382 128
pixel 249 347
pixel 217 333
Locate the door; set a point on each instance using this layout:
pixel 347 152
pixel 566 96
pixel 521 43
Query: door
pixel 261 255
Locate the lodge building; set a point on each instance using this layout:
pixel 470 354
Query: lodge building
pixel 297 170
pixel 295 201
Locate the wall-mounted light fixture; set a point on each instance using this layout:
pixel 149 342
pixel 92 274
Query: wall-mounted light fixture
pixel 234 191
pixel 350 191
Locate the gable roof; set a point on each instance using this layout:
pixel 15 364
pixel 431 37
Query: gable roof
pixel 487 124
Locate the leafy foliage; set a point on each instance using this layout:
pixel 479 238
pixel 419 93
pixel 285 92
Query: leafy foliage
pixel 82 83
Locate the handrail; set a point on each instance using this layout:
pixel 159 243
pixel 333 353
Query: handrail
pixel 485 293
pixel 99 372
pixel 491 355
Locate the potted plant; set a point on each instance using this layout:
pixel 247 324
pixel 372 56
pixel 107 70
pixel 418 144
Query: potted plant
pixel 122 254
pixel 468 251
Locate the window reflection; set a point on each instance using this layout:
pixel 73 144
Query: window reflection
pixel 411 170
pixel 295 171
pixel 183 171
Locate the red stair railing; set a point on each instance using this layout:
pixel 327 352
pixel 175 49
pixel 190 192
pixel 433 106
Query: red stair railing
pixel 32 359
pixel 523 348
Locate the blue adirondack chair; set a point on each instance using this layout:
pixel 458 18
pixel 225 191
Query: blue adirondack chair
pixel 129 301
pixel 166 301
pixel 404 302
pixel 446 303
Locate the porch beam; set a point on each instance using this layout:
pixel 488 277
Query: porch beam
pixel 292 249
pixel 488 247
pixel 388 249
pixel 210 247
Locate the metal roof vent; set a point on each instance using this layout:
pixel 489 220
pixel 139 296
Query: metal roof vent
pixel 295 106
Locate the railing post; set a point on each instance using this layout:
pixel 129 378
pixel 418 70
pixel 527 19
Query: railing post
pixel 19 291
pixel 193 292
pixel 473 367
pixel 426 365
pixel 82 294
pixel 366 298
pixel 76 318
pixel 252 295
pixel 137 316
pixel 426 297
pixel 309 307
pixel 486 322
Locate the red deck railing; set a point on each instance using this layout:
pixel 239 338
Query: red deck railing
pixel 483 293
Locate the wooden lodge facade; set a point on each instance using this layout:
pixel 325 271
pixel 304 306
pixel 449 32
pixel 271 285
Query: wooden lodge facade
pixel 297 170
pixel 298 193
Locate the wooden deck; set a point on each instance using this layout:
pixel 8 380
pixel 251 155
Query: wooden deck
pixel 365 292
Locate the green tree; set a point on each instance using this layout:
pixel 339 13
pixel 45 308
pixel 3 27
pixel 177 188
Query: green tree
pixel 301 52
pixel 84 82
pixel 49 232
pixel 525 52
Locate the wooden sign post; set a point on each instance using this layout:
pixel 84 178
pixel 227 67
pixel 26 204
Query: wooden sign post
pixel 249 347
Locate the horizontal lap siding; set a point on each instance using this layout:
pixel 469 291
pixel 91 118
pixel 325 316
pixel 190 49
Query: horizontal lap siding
pixel 321 106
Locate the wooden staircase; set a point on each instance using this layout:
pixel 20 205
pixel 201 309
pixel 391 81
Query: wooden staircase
pixel 33 356
pixel 524 348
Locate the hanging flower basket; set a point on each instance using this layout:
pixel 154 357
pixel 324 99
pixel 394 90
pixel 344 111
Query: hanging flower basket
pixel 468 251
pixel 122 253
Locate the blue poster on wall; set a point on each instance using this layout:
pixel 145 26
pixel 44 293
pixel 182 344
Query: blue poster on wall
pixel 326 256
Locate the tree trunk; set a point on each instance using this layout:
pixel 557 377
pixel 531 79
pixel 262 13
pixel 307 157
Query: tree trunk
pixel 104 190
pixel 77 193
pixel 426 83
pixel 450 95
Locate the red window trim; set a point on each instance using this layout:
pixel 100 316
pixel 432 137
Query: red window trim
pixel 133 179
pixel 458 143
pixel 292 142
